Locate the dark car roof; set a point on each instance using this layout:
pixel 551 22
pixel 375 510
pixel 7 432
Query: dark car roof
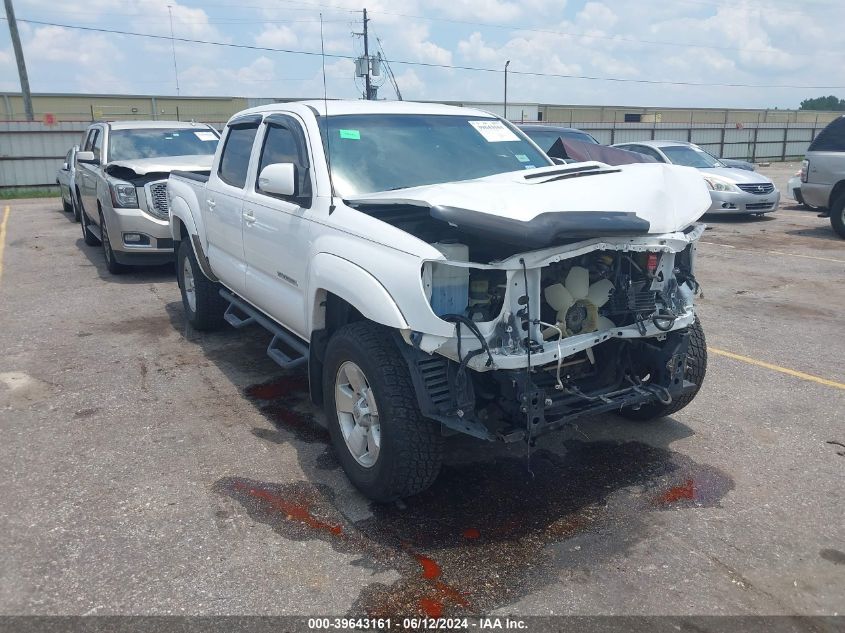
pixel 831 138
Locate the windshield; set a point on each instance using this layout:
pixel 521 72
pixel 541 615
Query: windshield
pixel 689 156
pixel 157 142
pixel 547 138
pixel 381 152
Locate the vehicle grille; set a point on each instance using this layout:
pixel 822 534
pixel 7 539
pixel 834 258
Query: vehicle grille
pixel 760 188
pixel 759 206
pixel 157 198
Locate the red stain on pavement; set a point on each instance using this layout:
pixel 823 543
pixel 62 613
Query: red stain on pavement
pixel 293 511
pixel 451 594
pixel 471 534
pixel 431 569
pixel 279 388
pixel 431 607
pixel 685 492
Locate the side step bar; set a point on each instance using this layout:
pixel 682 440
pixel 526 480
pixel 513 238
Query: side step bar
pixel 233 317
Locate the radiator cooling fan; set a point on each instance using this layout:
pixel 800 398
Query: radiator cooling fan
pixel 577 303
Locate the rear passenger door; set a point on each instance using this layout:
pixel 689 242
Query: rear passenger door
pixel 277 228
pixel 223 206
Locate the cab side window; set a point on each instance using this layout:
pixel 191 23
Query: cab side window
pixel 285 144
pixel 97 144
pixel 89 140
pixel 234 162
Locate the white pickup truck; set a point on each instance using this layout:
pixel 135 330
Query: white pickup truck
pixel 438 273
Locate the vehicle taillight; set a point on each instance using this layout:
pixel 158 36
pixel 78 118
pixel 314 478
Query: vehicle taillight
pixel 651 262
pixel 805 169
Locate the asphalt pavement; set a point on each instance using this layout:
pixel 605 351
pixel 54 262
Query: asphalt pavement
pixel 151 469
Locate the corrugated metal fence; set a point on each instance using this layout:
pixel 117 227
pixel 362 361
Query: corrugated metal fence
pixel 755 142
pixel 31 152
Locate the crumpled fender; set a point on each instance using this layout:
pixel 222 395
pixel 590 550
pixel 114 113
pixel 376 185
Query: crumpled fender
pixel 354 285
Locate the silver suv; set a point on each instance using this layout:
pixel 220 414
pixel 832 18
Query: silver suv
pixel 823 173
pixel 121 177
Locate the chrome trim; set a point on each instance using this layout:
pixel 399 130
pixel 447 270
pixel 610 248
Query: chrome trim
pixel 158 199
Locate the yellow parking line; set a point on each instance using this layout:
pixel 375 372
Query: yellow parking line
pixel 3 223
pixel 783 370
pixel 760 250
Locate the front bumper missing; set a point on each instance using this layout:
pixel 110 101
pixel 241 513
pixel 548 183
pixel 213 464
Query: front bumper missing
pixel 532 404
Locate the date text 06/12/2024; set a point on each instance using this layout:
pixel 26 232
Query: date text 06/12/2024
pixel 386 624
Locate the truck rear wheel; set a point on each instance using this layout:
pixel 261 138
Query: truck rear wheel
pixel 696 369
pixel 204 307
pixel 386 447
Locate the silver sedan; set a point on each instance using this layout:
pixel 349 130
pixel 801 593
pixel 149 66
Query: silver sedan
pixel 732 190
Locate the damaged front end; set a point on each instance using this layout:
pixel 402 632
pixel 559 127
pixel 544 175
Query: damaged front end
pixel 545 337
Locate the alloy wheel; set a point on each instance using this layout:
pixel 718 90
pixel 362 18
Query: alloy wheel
pixel 357 414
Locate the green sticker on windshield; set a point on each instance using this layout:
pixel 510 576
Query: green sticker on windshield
pixel 522 158
pixel 354 135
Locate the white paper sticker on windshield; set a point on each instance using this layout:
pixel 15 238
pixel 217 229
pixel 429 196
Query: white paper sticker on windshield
pixel 206 136
pixel 494 131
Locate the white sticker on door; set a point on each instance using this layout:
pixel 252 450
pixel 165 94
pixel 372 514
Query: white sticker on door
pixel 494 131
pixel 206 136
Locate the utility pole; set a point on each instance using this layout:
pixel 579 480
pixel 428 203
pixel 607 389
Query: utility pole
pixel 16 44
pixel 507 63
pixel 368 90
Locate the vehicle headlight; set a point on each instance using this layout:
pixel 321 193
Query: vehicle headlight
pixel 720 185
pixel 124 195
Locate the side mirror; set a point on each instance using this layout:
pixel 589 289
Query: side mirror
pixel 87 157
pixel 279 178
pixel 64 166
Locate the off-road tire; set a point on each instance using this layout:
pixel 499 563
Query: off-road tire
pixel 411 450
pixel 695 372
pixel 210 306
pixel 837 216
pixel 112 265
pixel 87 236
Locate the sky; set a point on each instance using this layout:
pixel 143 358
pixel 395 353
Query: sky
pixel 756 42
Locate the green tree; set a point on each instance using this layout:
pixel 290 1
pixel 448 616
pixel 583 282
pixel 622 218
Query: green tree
pixel 823 103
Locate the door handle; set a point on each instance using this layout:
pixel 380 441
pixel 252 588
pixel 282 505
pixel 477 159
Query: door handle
pixel 249 217
pixel 211 204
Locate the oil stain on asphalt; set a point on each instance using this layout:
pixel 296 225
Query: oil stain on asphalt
pixel 478 539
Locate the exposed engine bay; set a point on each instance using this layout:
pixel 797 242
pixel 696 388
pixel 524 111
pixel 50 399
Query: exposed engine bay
pixel 551 337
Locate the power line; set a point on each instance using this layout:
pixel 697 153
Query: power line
pixel 434 65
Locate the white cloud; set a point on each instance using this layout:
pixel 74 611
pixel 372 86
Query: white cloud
pixel 476 50
pixel 415 37
pixel 275 36
pixel 741 42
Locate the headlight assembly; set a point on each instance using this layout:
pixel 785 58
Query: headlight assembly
pixel 124 195
pixel 719 185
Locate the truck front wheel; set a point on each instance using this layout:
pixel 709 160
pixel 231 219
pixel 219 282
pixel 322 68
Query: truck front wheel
pixel 696 369
pixel 386 447
pixel 204 307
